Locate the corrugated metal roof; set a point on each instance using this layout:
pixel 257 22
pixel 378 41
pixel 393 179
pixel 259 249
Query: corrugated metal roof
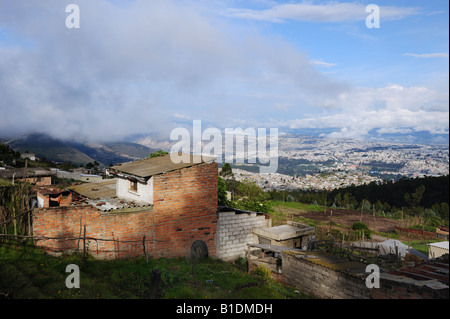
pixel 22 172
pixel 442 244
pixel 425 271
pixel 103 189
pixel 157 165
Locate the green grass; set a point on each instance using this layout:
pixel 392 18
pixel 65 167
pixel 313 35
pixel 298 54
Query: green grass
pixel 282 211
pixel 28 272
pixel 297 205
pixel 421 245
pixel 5 182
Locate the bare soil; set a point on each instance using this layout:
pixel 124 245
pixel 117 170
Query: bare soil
pixel 346 218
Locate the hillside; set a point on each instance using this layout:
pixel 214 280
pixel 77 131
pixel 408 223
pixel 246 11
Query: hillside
pixel 27 272
pixel 78 153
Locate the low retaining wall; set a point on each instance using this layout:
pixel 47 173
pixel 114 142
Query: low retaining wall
pixel 322 278
pixel 415 231
pixel 323 282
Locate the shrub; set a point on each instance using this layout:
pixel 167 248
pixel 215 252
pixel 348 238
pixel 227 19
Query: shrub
pixel 359 227
pixel 262 271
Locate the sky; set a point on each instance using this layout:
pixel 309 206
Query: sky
pixel 141 67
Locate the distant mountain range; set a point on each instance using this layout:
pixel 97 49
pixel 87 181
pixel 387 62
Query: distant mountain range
pixel 78 153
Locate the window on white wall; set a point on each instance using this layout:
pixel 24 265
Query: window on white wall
pixel 133 186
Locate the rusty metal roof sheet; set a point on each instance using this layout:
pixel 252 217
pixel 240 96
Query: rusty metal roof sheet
pixel 425 271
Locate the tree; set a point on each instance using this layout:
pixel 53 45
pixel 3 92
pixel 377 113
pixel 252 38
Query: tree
pixel 337 200
pixel 90 165
pixel 248 188
pixel 226 171
pixel 222 193
pixel 413 200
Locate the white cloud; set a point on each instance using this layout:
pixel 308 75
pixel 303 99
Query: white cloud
pixel 136 68
pixel 329 12
pixel 428 55
pixel 323 64
pixel 129 68
pixel 388 109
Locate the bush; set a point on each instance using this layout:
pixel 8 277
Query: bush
pixel 251 205
pixel 262 271
pixel 290 198
pixel 359 227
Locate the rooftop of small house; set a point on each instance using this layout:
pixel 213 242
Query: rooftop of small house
pixel 146 168
pixel 99 190
pixel 285 232
pixel 24 172
pixel 102 195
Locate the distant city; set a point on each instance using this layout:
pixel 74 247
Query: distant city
pixel 308 163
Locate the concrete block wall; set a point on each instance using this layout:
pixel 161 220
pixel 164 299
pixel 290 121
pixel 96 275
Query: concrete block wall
pixel 322 282
pixel 234 232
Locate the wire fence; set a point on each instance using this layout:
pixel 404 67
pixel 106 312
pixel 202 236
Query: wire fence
pixel 84 248
pixel 360 252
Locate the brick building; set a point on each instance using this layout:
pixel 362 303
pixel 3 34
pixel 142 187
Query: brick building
pixel 153 204
pixel 53 197
pixel 33 175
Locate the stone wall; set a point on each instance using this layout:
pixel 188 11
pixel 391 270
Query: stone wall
pixel 322 282
pixel 347 280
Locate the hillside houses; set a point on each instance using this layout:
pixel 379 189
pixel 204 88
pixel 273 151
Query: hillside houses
pixel 157 208
pixel 171 206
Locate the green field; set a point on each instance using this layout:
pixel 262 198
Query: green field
pixel 299 206
pixel 30 273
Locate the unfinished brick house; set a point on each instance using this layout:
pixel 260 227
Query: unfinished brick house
pixel 33 175
pixel 153 206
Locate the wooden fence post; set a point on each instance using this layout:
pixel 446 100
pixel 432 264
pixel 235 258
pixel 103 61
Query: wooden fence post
pixel 84 246
pixel 145 251
pixel 155 281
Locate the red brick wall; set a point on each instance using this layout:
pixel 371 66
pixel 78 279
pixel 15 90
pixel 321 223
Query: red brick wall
pixel 65 200
pixel 185 210
pixel 70 221
pixel 185 206
pixel 39 181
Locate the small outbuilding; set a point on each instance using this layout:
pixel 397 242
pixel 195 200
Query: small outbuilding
pixel 292 235
pixel 436 250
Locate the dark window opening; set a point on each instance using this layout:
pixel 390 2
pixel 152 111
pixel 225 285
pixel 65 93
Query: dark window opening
pixel 133 186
